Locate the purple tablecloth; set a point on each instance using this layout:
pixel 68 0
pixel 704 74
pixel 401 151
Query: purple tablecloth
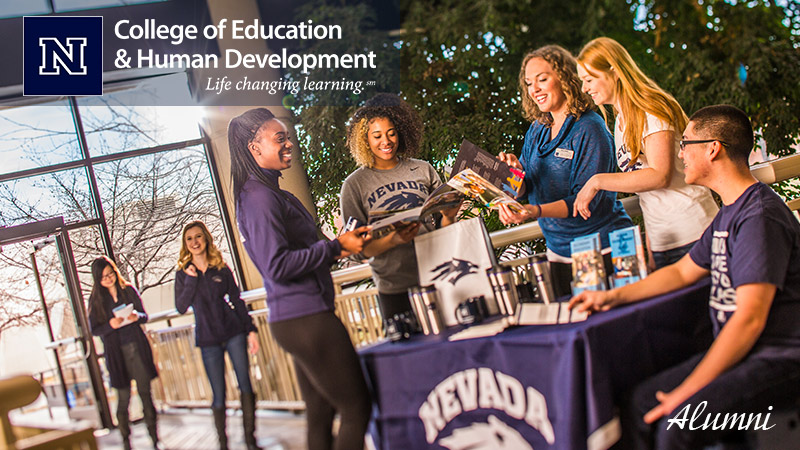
pixel 552 386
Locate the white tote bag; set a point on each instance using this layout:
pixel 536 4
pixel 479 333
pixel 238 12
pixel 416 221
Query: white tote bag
pixel 455 259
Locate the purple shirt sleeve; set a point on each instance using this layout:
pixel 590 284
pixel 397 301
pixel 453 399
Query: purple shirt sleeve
pixel 760 252
pixel 268 235
pixel 185 290
pixel 239 306
pixel 701 250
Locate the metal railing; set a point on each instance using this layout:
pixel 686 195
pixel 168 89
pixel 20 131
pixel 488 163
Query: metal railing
pixel 182 380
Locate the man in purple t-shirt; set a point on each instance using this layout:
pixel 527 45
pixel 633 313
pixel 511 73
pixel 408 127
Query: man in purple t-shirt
pixel 751 250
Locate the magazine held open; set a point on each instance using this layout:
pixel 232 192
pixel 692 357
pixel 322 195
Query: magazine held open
pixel 480 177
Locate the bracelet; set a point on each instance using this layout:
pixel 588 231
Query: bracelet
pixel 539 213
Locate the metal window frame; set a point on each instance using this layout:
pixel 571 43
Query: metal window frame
pixel 87 162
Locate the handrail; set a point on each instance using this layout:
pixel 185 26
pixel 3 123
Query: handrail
pixel 777 170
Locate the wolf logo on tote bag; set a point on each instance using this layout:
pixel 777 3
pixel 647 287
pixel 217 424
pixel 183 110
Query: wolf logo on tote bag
pixel 455 259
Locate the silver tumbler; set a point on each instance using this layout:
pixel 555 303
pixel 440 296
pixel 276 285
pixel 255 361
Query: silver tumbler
pixel 424 302
pixel 505 292
pixel 544 281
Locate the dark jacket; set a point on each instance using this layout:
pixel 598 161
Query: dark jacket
pixel 282 240
pixel 114 339
pixel 216 320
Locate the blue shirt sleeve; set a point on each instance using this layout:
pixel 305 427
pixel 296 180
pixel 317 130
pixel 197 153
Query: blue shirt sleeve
pixel 524 156
pixel 268 238
pixel 594 154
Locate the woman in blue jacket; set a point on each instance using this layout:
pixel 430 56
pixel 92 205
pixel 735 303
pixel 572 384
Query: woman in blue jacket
pixel 282 239
pixel 127 353
pixel 222 324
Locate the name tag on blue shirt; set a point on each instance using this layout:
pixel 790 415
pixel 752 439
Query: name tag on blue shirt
pixel 564 153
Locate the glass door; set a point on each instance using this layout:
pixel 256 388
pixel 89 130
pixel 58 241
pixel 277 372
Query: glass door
pixel 51 339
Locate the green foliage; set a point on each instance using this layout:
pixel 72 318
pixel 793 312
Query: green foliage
pixel 694 50
pixel 787 189
pixel 323 114
pixel 457 62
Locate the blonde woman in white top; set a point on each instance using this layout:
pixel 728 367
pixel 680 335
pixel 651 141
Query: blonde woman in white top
pixel 646 137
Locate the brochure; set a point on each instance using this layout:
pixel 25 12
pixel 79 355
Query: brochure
pixel 547 314
pixel 486 165
pixel 123 312
pixel 627 255
pixel 588 272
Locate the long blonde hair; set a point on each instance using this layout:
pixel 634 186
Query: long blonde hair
pixel 565 67
pixel 212 252
pixel 635 93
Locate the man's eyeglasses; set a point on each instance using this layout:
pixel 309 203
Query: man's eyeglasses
pixel 684 142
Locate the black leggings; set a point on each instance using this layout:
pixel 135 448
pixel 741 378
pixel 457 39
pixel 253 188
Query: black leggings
pixel 330 379
pixel 135 366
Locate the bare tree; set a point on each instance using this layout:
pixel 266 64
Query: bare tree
pixel 146 201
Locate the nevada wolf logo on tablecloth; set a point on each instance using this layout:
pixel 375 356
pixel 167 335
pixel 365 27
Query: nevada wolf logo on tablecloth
pixel 463 399
pixel 491 435
pixel 455 259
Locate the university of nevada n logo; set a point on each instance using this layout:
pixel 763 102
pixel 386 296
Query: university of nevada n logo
pixel 62 55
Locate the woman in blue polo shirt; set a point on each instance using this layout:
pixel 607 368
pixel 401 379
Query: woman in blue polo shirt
pixel 565 145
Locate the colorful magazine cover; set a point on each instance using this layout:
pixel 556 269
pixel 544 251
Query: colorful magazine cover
pixel 480 189
pixel 627 256
pixel 486 165
pixel 465 184
pixel 444 197
pixel 588 272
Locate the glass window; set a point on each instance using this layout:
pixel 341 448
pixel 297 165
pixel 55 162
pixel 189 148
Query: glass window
pixel 37 136
pixel 64 193
pixel 87 244
pixel 17 8
pixel 122 121
pixel 147 200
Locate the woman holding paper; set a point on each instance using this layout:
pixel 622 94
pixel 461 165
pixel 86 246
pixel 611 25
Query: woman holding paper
pixel 222 324
pixel 281 238
pixel 649 122
pixel 115 312
pixel 383 137
pixel 566 144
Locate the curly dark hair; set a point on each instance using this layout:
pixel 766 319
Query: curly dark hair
pixel 384 106
pixel 566 68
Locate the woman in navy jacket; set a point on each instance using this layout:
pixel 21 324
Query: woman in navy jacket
pixel 222 324
pixel 127 353
pixel 281 237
